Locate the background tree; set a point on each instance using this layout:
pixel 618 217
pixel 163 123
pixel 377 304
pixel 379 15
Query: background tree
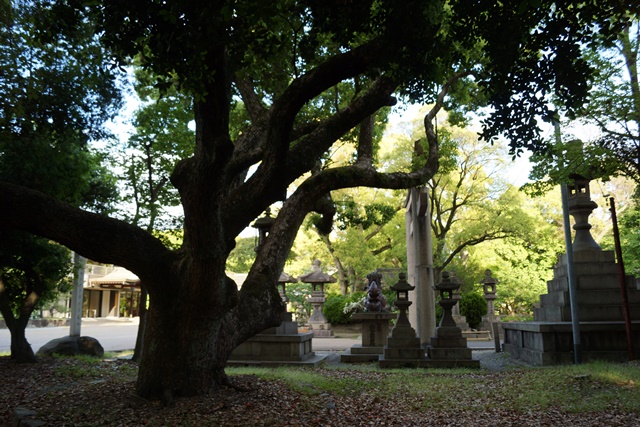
pixel 522 262
pixel 242 256
pixel 161 138
pixel 612 116
pixel 367 229
pixel 55 93
pixel 614 106
pixel 278 57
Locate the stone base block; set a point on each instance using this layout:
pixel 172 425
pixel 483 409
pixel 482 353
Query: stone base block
pixel 312 362
pixel 403 363
pixel 363 349
pixel 409 353
pixel 361 354
pixel 448 342
pixel 375 327
pixel 455 363
pixel 452 354
pixel 403 342
pixel 322 333
pixel 285 328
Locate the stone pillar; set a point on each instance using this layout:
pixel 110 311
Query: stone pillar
pixel 420 263
pixel 75 324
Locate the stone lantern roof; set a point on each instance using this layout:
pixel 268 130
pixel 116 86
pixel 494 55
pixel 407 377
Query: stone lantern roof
pixel 402 285
pixel 317 275
pixel 286 278
pixel 265 222
pixel 489 282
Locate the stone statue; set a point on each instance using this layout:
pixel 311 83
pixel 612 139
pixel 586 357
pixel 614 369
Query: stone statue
pixel 376 302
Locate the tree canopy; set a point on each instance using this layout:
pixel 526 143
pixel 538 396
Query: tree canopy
pixel 56 92
pixel 286 60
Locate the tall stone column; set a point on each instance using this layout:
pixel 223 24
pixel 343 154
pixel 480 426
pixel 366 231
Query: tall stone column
pixel 420 263
pixel 75 324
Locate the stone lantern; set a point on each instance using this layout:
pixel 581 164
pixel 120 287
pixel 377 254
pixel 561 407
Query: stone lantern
pixel 580 207
pixel 447 288
pixel 403 347
pixel 460 320
pixel 489 289
pixel 282 283
pixel 449 348
pixel 491 322
pixel 317 321
pixel 263 225
pixel 402 289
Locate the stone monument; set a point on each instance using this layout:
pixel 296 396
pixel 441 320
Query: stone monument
pixel 374 325
pixel 420 269
pixel 548 339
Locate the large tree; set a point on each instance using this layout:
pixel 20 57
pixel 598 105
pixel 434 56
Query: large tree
pixel 280 57
pixel 55 93
pixel 615 103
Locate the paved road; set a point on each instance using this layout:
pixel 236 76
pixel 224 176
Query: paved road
pixel 117 335
pixel 113 335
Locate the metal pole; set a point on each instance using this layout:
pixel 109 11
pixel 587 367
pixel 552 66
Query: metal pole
pixel 571 273
pixel 622 278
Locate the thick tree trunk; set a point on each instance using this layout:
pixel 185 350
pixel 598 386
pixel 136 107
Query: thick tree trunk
pixel 182 354
pixel 21 350
pixel 142 310
pixel 194 324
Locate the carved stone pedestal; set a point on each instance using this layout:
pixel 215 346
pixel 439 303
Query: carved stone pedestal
pixel 375 330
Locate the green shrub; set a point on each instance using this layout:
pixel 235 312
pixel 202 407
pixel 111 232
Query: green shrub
pixel 390 295
pixel 473 306
pixel 333 310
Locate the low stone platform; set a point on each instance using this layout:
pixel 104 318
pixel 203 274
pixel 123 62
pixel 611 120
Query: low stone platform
pixel 313 361
pixel 551 343
pixel 282 345
pixel 426 363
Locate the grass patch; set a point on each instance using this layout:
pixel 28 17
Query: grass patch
pixel 83 367
pixel 596 386
pixel 125 354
